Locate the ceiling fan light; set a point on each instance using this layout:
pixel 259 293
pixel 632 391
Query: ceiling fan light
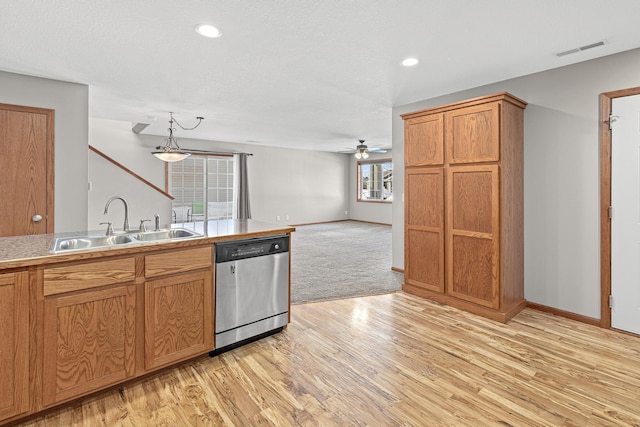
pixel 365 155
pixel 358 155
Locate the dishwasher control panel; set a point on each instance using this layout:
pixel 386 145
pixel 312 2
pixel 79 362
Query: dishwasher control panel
pixel 250 248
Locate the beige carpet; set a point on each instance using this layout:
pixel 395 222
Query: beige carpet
pixel 341 260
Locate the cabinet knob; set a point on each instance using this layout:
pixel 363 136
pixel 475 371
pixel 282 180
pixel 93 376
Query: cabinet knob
pixel 36 218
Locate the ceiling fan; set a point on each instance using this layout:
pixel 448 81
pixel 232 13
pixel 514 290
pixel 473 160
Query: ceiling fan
pixel 362 151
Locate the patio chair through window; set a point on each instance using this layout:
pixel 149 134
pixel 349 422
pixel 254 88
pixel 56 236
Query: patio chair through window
pixel 196 211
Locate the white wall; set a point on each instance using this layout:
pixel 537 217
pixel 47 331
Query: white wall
pixel 367 211
pixel 107 180
pixel 306 186
pixel 115 139
pixel 299 186
pixel 561 176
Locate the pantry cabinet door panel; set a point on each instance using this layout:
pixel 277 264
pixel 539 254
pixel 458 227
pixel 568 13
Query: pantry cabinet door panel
pixel 473 270
pixel 424 218
pixel 424 141
pixel 473 234
pixel 473 134
pixel 425 262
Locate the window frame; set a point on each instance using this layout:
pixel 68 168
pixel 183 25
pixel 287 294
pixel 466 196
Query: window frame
pixel 359 180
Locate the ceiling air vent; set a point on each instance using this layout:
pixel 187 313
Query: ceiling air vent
pixel 139 127
pixel 580 49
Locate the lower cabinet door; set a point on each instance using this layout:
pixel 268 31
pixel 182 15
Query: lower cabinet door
pixel 14 344
pixel 473 234
pixel 178 318
pixel 424 228
pixel 89 341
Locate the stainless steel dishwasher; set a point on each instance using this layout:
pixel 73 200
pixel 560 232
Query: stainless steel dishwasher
pixel 252 288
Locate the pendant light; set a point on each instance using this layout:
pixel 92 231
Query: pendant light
pixel 171 152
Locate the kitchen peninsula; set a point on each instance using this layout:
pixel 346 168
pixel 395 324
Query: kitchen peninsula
pixel 81 321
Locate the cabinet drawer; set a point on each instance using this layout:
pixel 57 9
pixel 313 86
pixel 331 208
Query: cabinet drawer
pixel 177 261
pixel 88 275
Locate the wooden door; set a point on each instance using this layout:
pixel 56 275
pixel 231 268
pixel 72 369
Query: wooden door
pixel 424 225
pixel 473 234
pixel 26 170
pixel 14 344
pixel 424 141
pixel 89 341
pixel 473 134
pixel 178 318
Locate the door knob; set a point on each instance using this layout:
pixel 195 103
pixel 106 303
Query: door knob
pixel 36 218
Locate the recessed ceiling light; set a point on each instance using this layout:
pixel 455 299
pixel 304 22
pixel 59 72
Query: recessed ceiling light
pixel 410 62
pixel 208 30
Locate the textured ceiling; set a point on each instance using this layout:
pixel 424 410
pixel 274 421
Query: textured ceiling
pixel 314 74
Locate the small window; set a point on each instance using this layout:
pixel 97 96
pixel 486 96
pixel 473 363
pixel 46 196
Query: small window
pixel 375 181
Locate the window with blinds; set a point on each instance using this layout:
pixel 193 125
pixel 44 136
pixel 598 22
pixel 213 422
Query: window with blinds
pixel 200 181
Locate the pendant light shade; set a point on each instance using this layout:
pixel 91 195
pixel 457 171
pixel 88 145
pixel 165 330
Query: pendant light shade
pixel 171 156
pixel 171 151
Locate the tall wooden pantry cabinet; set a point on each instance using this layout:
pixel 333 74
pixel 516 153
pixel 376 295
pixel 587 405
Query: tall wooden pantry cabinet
pixel 464 237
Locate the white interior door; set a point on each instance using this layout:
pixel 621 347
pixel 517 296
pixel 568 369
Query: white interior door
pixel 625 223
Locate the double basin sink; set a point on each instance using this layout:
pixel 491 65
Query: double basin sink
pixel 66 244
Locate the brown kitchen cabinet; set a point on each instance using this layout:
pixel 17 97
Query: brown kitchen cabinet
pixel 424 141
pixel 89 327
pixel 473 134
pixel 79 322
pixel 14 344
pixel 473 233
pixel 114 319
pixel 178 307
pixel 464 238
pixel 424 223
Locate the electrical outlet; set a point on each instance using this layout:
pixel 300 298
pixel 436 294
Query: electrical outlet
pixel 286 218
pixel 277 217
pixel 346 213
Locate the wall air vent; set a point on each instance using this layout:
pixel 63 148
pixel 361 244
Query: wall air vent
pixel 580 49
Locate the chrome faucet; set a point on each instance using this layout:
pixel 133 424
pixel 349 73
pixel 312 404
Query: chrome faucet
pixel 126 211
pixel 109 228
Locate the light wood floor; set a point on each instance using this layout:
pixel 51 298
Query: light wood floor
pixel 392 360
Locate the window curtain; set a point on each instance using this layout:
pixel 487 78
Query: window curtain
pixel 241 206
